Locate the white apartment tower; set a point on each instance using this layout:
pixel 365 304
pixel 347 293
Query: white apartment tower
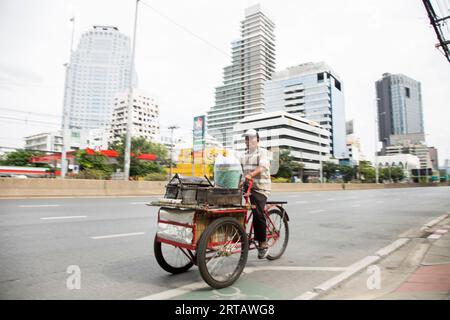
pixel 242 92
pixel 313 91
pixel 145 117
pixel 99 69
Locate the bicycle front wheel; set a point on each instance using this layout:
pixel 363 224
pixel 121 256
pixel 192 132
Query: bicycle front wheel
pixel 277 234
pixel 222 252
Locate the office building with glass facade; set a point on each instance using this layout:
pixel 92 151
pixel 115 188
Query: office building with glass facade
pixel 313 91
pixel 99 69
pixel 399 107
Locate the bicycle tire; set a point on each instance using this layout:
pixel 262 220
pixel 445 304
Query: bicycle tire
pixel 157 247
pixel 203 246
pixel 277 255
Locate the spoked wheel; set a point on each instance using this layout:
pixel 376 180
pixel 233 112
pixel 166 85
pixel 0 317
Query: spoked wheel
pixel 222 252
pixel 277 234
pixel 172 259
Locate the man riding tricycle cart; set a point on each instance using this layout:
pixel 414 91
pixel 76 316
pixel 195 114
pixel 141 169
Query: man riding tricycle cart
pixel 212 227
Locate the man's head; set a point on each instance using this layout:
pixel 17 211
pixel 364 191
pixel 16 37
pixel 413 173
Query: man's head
pixel 251 139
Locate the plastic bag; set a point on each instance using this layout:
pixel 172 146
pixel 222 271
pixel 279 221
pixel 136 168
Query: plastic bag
pixel 227 171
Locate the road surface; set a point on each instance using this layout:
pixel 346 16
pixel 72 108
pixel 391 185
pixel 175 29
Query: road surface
pixel 111 241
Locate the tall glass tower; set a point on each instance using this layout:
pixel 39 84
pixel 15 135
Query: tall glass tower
pixel 99 70
pixel 242 92
pixel 399 108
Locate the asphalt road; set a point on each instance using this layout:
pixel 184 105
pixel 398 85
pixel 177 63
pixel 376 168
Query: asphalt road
pixel 41 238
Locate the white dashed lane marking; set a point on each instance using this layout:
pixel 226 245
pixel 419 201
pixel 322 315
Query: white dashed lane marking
pixel 63 217
pixel 118 235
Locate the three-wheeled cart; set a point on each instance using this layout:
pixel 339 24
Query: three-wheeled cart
pixel 216 238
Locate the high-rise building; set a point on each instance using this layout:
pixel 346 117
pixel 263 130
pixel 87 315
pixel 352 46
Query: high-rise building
pixel 307 141
pixel 434 157
pixel 399 102
pixel 242 92
pixel 313 91
pixel 145 117
pixel 99 69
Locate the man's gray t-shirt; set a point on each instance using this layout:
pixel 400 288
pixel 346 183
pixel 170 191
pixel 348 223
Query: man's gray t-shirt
pixel 260 157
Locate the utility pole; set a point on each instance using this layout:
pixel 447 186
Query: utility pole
pixel 376 140
pixel 193 154
pixel 66 146
pixel 320 155
pixel 127 156
pixel 171 128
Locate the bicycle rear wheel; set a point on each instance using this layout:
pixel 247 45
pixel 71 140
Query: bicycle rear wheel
pixel 277 234
pixel 222 252
pixel 171 258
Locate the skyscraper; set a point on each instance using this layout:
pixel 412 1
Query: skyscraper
pixel 399 101
pixel 314 91
pixel 99 70
pixel 242 92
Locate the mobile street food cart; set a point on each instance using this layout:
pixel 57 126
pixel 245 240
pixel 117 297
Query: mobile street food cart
pixel 211 227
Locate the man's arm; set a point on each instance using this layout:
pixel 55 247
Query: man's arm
pixel 254 173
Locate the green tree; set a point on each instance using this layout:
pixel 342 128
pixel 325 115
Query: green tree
pixel 20 158
pixel 392 173
pixel 347 172
pixel 96 164
pixel 286 164
pixel 329 169
pixel 367 171
pixel 139 146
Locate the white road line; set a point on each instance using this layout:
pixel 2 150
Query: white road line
pixel 317 211
pixel 118 235
pixel 172 293
pixel 434 236
pixel 39 205
pixel 63 217
pixel 301 202
pixel 142 202
pixel 331 199
pixel 289 268
pixel 308 295
pixel 355 205
pixel 351 270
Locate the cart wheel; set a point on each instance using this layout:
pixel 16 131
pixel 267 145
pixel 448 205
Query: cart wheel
pixel 277 234
pixel 171 258
pixel 222 252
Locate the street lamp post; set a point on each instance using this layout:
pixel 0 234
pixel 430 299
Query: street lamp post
pixel 127 156
pixel 376 139
pixel 171 128
pixel 65 134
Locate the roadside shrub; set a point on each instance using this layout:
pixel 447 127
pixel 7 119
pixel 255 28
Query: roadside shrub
pixel 280 180
pixel 92 174
pixel 156 176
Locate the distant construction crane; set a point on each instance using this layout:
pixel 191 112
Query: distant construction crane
pixel 438 23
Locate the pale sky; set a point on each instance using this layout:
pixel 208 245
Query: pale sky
pixel 359 39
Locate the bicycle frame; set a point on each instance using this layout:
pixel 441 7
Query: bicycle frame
pixel 249 215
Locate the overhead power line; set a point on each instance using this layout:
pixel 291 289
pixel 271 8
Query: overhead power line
pixel 437 23
pixel 185 29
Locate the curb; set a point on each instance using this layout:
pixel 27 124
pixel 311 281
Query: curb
pixel 367 261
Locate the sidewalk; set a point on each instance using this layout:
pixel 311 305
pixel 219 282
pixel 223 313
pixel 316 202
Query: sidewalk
pixel 431 279
pixel 418 271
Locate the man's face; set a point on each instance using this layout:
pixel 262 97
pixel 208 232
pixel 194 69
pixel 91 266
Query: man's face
pixel 251 143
